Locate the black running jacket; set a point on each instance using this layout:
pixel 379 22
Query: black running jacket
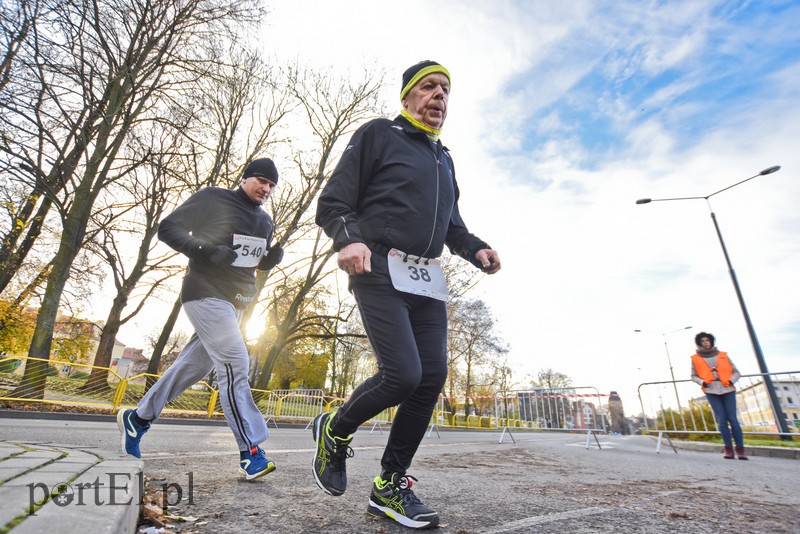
pixel 394 188
pixel 214 215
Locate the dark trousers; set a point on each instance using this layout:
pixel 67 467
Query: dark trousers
pixel 409 337
pixel 724 407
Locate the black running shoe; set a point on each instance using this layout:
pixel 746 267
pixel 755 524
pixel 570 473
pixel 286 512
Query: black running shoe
pixel 394 499
pixel 329 463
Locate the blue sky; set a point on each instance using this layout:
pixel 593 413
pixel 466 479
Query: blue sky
pixel 562 114
pixel 685 68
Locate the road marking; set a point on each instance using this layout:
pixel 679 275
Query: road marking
pixel 604 444
pixel 171 454
pixel 549 518
pixel 196 454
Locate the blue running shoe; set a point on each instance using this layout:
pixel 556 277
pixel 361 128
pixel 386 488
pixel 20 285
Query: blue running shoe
pixel 254 464
pixel 131 432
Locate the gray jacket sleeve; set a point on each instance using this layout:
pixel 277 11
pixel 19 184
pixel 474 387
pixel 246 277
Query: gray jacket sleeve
pixel 696 379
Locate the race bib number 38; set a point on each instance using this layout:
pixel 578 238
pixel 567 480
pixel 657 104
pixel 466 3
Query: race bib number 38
pixel 419 276
pixel 251 250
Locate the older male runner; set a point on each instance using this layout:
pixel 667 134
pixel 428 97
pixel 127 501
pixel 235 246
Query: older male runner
pixel 390 207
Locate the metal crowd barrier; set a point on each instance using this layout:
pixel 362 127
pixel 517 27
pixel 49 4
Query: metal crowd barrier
pixel 65 383
pixel 565 409
pixel 473 412
pixel 293 404
pixel 570 409
pixel 680 407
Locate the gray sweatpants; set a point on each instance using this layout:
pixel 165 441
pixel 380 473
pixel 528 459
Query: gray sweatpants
pixel 215 344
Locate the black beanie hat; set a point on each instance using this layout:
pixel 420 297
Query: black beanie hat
pixel 415 73
pixel 261 168
pixel 699 337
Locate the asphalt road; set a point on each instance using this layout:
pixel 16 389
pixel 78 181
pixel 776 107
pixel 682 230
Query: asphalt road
pixel 543 483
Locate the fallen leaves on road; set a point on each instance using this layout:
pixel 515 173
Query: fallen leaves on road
pixel 155 509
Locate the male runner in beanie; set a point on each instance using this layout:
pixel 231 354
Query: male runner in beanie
pixel 390 206
pixel 226 234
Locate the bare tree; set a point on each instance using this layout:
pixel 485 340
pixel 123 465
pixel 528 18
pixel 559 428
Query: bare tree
pixel 550 379
pixel 332 109
pixel 347 348
pixel 172 349
pixel 502 374
pixel 471 342
pixel 118 56
pixel 16 19
pixel 161 344
pixel 150 198
pixel 294 312
pixel 242 107
pixel 236 111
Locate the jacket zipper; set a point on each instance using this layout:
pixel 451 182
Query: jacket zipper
pixel 436 208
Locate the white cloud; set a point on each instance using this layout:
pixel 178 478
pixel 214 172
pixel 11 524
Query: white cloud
pixel 583 265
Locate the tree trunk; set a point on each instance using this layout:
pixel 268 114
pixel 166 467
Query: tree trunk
pixel 158 350
pixel 266 370
pixel 261 281
pixel 98 378
pixel 33 380
pixel 11 255
pixel 332 359
pixel 468 388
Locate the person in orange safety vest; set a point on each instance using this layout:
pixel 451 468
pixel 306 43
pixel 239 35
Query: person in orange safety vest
pixel 716 374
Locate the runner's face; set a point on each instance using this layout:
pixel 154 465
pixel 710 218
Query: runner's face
pixel 427 100
pixel 257 189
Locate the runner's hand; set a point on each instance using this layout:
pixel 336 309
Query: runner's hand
pixel 221 255
pixel 355 259
pixel 273 258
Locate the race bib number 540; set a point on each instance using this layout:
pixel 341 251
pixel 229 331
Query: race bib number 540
pixel 250 251
pixel 416 275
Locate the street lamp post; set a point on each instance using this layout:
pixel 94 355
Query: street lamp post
pixel 669 361
pixel 762 364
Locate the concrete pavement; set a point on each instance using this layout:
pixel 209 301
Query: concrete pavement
pixel 545 482
pixel 55 488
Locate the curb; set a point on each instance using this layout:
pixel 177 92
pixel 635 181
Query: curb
pixel 92 490
pixel 106 418
pixel 770 452
pixel 111 417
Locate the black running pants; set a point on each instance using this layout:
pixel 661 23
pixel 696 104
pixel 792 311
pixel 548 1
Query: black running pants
pixel 409 337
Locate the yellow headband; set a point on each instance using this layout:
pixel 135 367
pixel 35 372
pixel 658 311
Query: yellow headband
pixel 421 74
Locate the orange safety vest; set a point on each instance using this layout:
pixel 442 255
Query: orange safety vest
pixel 724 368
